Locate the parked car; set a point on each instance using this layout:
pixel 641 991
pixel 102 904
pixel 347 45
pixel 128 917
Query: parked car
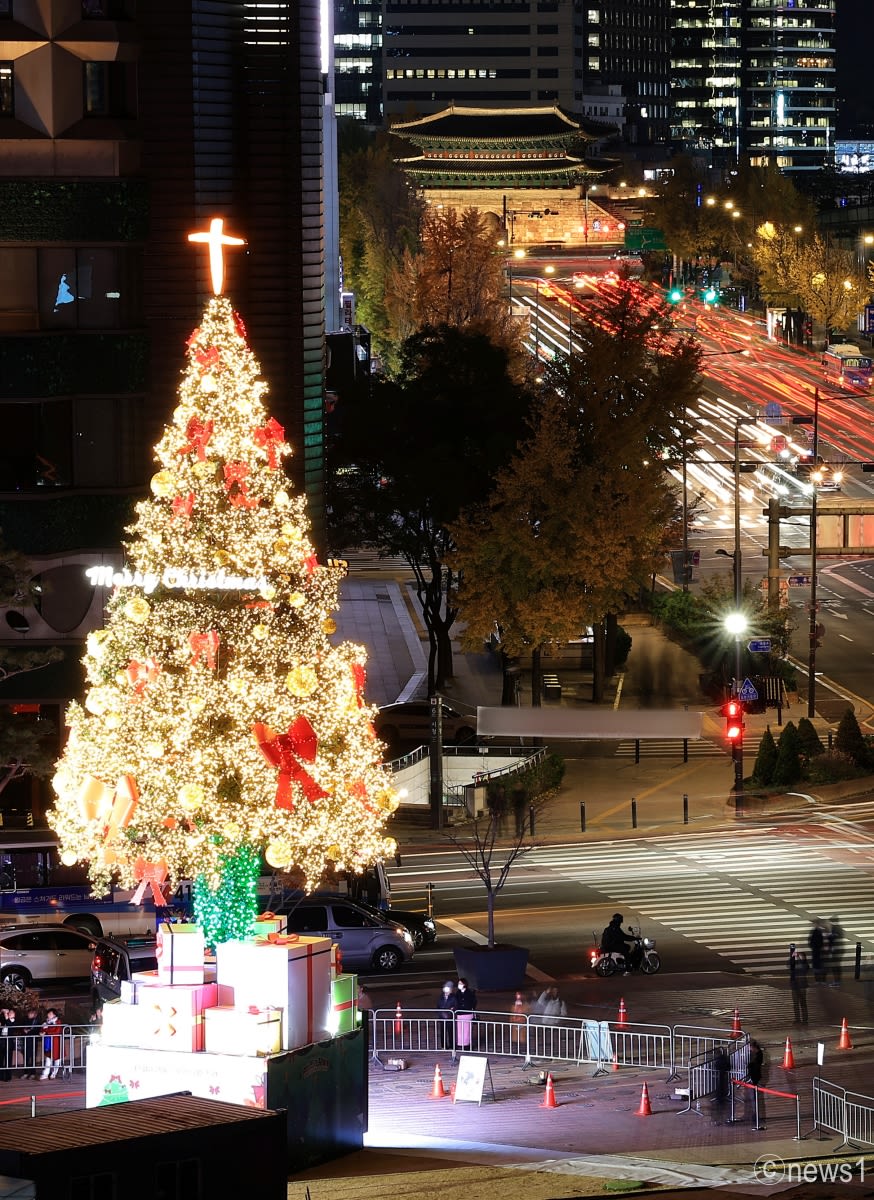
pixel 115 961
pixel 366 939
pixel 44 953
pixel 409 722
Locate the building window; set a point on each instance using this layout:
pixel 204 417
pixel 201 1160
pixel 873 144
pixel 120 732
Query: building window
pixel 107 87
pixel 7 105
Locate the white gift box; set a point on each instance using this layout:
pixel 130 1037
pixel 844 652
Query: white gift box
pixel 180 952
pixel 243 1031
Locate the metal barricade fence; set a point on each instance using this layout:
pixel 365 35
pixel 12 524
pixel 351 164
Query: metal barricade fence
pixel 26 1054
pixel 692 1040
pixel 830 1108
pixel 859 1127
pixel 703 1077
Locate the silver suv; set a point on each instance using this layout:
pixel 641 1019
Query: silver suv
pixel 44 953
pixel 365 939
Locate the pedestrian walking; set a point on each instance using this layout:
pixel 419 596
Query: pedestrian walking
pixel 31 1031
pixel 549 1005
pixel 465 997
pixel 447 1006
pixel 816 944
pixel 798 972
pixel 835 950
pixel 755 1076
pixel 721 1083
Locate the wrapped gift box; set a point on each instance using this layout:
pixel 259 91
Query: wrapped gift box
pixel 267 923
pixel 180 954
pixel 244 1031
pixel 130 989
pixel 292 973
pixel 144 976
pixel 173 1014
pixel 336 961
pixel 122 1024
pixel 344 1003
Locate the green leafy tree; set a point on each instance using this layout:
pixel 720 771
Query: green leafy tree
pixel 787 769
pixel 808 739
pixel 849 739
pixel 824 277
pixel 766 759
pixel 454 414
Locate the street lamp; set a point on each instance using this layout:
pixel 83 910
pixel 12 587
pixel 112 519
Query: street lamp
pixel 517 254
pixel 736 624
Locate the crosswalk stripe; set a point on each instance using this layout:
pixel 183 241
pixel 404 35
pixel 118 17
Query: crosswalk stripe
pixel 671 748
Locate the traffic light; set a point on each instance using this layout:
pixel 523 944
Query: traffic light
pixel 710 295
pixel 675 295
pixel 733 711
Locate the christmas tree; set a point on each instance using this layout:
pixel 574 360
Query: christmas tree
pixel 220 722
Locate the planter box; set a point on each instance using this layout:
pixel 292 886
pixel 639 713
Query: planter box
pixel 492 970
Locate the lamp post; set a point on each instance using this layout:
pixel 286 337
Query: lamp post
pixel 517 254
pixel 736 624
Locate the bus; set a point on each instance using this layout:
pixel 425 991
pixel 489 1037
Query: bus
pixel 36 887
pixel 847 366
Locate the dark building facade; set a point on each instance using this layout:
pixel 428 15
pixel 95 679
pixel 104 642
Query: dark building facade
pixel 122 128
pixel 358 59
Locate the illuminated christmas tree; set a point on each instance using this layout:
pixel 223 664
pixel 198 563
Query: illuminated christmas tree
pixel 220 722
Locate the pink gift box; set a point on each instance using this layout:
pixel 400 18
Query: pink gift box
pixel 180 951
pixel 172 1014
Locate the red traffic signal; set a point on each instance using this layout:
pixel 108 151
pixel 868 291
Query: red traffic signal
pixel 733 711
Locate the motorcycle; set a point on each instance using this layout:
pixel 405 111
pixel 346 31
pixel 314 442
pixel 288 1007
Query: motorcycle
pixel 643 958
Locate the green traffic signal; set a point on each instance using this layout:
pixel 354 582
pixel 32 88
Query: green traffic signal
pixel 709 295
pixel 675 295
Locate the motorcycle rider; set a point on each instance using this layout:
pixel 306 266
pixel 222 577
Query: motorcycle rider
pixel 614 941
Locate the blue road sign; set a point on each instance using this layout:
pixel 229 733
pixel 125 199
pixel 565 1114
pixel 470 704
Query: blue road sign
pixel 869 319
pixel 799 581
pixel 759 646
pixel 747 692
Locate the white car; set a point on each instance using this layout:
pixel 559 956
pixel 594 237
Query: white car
pixel 44 953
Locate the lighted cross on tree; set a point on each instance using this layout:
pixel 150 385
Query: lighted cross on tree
pixel 221 721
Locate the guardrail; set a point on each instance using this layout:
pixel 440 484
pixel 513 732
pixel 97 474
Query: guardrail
pixel 758 1091
pixel 33 1054
pixel 528 1036
pixel 704 1077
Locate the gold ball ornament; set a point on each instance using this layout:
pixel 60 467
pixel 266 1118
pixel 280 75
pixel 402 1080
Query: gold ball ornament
pixel 62 782
pixel 94 642
pixel 329 626
pixel 387 801
pixel 111 720
pixel 281 547
pixel 260 632
pixel 208 383
pixel 302 681
pixel 334 853
pixel 154 749
pixel 391 847
pixel 292 532
pixel 236 686
pixel 196 705
pixel 297 600
pixel 204 469
pixel 231 831
pixel 190 796
pixel 281 499
pixel 120 678
pixel 268 592
pixel 163 483
pixel 98 701
pixel 278 853
pixel 137 610
pixel 221 557
pixel 69 858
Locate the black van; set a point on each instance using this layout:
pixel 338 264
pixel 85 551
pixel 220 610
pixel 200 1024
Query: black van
pixel 115 961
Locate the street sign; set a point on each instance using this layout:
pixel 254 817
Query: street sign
pixel 747 692
pixel 759 646
pixel 869 320
pixel 799 581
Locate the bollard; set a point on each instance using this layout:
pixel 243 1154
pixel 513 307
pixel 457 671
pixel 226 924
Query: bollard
pixel 633 813
pixel 582 816
pixel 429 892
pixel 685 809
pixel 685 750
pixel 33 1106
pixel 857 974
pixel 637 750
pixel 531 815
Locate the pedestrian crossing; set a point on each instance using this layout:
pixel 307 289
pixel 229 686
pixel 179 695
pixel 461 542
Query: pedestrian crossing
pixel 745 897
pixel 671 748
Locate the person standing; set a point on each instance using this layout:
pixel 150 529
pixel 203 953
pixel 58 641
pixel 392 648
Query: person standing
pixel 755 1073
pixel 798 972
pixel 816 943
pixel 7 1044
pixel 51 1044
pixel 721 1083
pixel 447 1006
pixel 466 1007
pixel 31 1031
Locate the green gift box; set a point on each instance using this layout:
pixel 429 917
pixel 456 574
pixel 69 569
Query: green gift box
pixel 344 1003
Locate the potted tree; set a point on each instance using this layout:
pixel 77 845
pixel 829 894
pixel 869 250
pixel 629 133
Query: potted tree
pixel 492 844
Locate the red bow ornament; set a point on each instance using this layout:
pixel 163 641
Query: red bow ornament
pixel 150 875
pixel 182 507
pixel 359 678
pixel 140 674
pixel 310 562
pixel 285 752
pixel 198 433
pixel 236 486
pixel 268 437
pixel 207 358
pixel 204 645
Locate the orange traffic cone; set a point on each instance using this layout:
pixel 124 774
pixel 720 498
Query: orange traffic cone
pixel 399 1025
pixel 844 1042
pixel 788 1063
pixel 735 1025
pixel 549 1100
pixel 438 1091
pixel 644 1110
pixel 623 1015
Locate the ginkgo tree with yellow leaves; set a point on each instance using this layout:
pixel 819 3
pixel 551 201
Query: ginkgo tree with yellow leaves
pixel 220 720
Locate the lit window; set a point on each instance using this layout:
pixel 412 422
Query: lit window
pixel 7 106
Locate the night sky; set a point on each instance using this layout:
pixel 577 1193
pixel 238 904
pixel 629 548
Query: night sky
pixel 855 48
